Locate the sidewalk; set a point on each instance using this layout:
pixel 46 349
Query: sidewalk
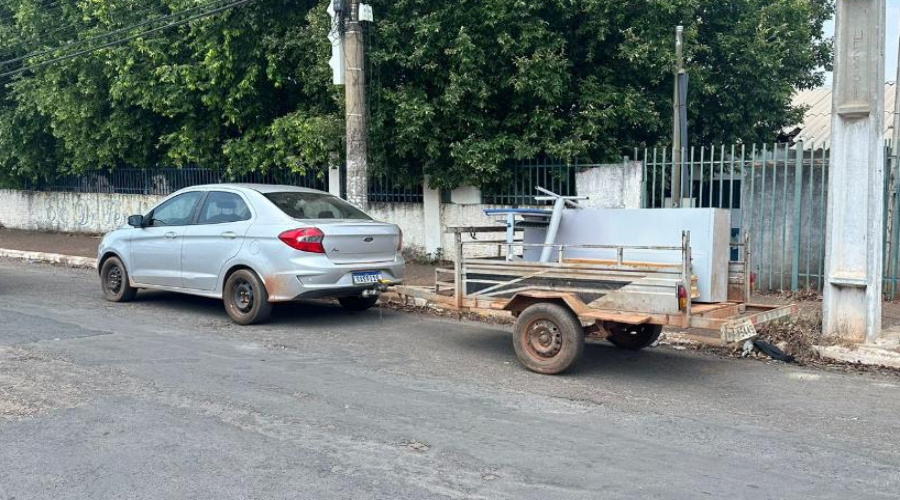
pixel 85 245
pixel 81 245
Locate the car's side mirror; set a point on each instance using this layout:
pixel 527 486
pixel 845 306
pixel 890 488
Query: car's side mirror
pixel 136 221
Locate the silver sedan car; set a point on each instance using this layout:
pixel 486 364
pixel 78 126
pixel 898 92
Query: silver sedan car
pixel 253 245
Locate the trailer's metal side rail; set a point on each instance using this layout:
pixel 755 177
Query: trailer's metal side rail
pixel 503 275
pixel 505 281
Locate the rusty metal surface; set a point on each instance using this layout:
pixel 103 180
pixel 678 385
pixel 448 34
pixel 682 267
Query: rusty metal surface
pixel 649 293
pixel 744 326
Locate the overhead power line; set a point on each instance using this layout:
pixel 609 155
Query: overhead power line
pixel 95 38
pixel 72 25
pixel 76 46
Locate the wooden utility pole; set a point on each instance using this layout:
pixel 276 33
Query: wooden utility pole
pixel 676 118
pixel 357 109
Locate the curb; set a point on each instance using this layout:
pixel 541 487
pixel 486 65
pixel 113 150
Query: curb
pixel 863 355
pixel 50 258
pixel 884 353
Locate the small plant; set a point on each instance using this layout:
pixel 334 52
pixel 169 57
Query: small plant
pixel 418 255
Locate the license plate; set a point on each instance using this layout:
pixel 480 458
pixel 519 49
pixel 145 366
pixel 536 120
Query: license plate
pixel 738 331
pixel 366 278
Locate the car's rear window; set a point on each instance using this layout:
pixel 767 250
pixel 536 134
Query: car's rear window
pixel 315 206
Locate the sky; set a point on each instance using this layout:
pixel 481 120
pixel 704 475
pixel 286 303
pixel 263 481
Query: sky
pixel 891 45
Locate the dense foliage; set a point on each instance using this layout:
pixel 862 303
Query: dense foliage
pixel 458 88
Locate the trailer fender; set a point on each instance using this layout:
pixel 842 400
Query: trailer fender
pixel 524 300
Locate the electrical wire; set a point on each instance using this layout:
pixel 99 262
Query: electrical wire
pixel 95 38
pixel 120 41
pixel 76 43
pixel 72 25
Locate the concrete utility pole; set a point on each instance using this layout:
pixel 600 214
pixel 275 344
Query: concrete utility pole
pixel 676 120
pixel 357 109
pixel 892 184
pixel 853 250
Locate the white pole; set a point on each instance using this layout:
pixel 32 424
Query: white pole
pixel 855 212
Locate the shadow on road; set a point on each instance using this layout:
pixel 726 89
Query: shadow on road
pixel 489 344
pixel 283 314
pixel 601 359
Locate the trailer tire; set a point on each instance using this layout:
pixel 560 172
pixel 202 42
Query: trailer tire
pixel 633 337
pixel 548 338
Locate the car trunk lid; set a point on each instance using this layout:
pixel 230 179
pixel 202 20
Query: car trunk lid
pixel 353 241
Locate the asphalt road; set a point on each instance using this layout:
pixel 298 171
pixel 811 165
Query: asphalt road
pixel 164 398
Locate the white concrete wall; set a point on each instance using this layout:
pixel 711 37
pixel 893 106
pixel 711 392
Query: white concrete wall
pixel 70 212
pixel 609 186
pixel 409 216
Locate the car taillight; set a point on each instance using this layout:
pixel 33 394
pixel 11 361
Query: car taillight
pixel 400 241
pixel 682 298
pixel 308 239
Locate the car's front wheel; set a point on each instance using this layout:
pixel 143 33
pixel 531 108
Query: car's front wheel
pixel 358 303
pixel 246 299
pixel 114 280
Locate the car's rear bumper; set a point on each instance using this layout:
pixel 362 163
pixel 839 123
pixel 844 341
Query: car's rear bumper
pixel 330 281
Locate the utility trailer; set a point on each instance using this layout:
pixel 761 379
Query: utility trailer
pixel 558 304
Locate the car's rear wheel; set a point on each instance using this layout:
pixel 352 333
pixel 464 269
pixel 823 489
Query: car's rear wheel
pixel 114 280
pixel 246 299
pixel 358 303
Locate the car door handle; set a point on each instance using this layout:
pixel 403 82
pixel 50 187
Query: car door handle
pixel 170 235
pixel 229 234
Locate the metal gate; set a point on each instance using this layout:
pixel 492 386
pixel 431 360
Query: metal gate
pixel 777 194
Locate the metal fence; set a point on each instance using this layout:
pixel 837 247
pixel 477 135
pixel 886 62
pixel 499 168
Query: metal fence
pixel 517 185
pixel 778 195
pixel 388 189
pixel 164 181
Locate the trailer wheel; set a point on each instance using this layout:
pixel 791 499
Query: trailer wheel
pixel 633 337
pixel 548 338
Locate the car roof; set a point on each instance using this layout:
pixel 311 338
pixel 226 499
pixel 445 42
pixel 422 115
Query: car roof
pixel 261 188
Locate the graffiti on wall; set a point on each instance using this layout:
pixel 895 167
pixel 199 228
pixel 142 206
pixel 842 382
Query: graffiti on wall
pixel 76 212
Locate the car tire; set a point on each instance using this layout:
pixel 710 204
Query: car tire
pixel 358 303
pixel 114 281
pixel 633 337
pixel 246 299
pixel 548 338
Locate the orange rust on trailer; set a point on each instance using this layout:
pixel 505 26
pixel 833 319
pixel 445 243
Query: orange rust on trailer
pixel 717 310
pixel 615 316
pixel 625 263
pixel 523 300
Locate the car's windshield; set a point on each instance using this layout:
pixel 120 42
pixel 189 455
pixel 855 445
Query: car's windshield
pixel 315 206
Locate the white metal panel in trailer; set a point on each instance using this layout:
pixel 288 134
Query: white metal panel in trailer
pixel 710 240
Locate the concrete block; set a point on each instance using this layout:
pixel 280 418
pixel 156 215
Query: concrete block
pixel 616 185
pixel 466 195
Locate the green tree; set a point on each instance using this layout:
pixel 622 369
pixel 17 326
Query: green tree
pixel 467 86
pixel 244 90
pixel 458 89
